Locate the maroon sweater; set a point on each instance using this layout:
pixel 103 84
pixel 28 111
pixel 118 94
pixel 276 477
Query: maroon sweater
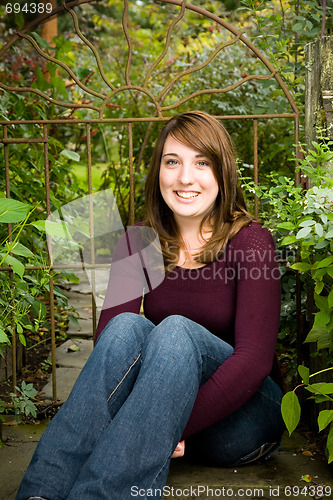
pixel 237 298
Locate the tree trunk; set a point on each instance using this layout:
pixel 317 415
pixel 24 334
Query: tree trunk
pixel 319 90
pixel 318 115
pixel 49 31
pixel 50 28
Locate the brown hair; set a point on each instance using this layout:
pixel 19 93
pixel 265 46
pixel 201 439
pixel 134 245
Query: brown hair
pixel 205 134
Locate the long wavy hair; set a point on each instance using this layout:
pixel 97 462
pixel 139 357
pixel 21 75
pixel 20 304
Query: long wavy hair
pixel 205 134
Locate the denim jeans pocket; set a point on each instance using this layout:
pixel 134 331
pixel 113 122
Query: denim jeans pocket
pixel 264 452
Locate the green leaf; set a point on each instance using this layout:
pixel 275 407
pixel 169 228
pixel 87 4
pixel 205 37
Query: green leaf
pixel 19 20
pixel 327 388
pixel 307 223
pixel 325 417
pixel 319 287
pixel 291 411
pixel 319 229
pixel 304 373
pixel 298 27
pixel 315 388
pixel 325 341
pixel 29 388
pixel 317 275
pixel 41 83
pixel 38 224
pixel 74 320
pixel 321 244
pixel 286 225
pixel 288 240
pixel 329 445
pixel 4 337
pixel 321 302
pixel 321 388
pixel 315 333
pixel 19 328
pixel 13 210
pixel 322 318
pixel 56 229
pixel 303 233
pixel 43 43
pixel 330 299
pixel 305 254
pixel 324 263
pixel 22 339
pixel 60 85
pixel 19 249
pixel 73 348
pixel 83 73
pixel 17 266
pixel 301 266
pixel 70 154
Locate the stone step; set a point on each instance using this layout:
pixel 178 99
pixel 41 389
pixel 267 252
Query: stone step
pixel 69 365
pixel 67 357
pixel 66 378
pixel 85 330
pixel 266 481
pixel 279 477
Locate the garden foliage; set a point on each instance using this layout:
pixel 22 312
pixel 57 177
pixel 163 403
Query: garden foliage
pixel 303 224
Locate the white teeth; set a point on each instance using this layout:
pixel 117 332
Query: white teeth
pixel 187 194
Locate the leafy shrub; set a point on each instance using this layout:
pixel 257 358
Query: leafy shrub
pixel 303 224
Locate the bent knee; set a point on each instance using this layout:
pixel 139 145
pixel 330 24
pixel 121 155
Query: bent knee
pixel 173 334
pixel 126 325
pixel 176 321
pixel 124 320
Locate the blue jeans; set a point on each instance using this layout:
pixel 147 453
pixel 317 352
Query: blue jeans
pixel 129 407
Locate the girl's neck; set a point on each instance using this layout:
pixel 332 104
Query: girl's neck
pixel 192 242
pixel 189 231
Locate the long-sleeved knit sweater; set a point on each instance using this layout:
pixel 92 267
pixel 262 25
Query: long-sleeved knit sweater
pixel 237 298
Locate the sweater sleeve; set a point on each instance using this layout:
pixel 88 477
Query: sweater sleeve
pixel 255 328
pixel 126 281
pixel 137 267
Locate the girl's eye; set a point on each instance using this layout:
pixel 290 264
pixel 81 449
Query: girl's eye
pixel 203 163
pixel 171 162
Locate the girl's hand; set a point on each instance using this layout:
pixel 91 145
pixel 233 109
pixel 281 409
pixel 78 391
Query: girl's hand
pixel 179 451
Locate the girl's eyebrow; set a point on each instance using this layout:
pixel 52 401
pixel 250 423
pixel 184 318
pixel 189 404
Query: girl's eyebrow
pixel 175 154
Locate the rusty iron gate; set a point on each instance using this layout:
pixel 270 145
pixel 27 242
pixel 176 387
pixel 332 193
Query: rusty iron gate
pixel 158 102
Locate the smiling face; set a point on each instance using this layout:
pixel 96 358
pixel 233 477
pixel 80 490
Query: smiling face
pixel 187 182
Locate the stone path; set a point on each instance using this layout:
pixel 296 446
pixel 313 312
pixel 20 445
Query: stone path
pixel 269 480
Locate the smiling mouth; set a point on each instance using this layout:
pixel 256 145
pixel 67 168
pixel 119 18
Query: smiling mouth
pixel 187 194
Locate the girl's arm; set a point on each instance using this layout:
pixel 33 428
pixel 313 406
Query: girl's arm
pixel 137 267
pixel 256 328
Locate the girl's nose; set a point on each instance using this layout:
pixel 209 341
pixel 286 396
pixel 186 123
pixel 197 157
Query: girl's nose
pixel 186 175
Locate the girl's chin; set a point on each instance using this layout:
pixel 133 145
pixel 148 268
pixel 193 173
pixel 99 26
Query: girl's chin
pixel 182 215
